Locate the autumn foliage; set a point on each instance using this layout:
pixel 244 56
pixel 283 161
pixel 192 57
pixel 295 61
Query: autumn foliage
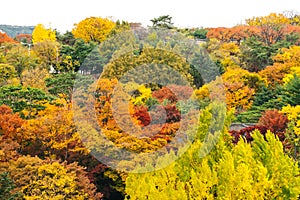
pixel 275 121
pixel 10 123
pixel 94 29
pixel 58 117
pixel 5 38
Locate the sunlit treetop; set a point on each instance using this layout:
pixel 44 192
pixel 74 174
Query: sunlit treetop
pixel 94 29
pixel 41 34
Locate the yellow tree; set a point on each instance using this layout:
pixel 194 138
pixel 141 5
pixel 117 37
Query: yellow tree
pixel 93 29
pixel 259 170
pixel 41 34
pixel 240 86
pixel 55 129
pixel 44 179
pixel 292 135
pixel 226 53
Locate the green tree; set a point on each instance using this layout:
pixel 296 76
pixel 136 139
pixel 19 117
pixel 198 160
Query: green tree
pixel 255 54
pixel 28 101
pixel 164 21
pixel 200 33
pixel 291 92
pixel 266 98
pixel 66 39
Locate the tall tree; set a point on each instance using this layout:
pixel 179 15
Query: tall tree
pixel 94 29
pixel 21 58
pixel 271 27
pixel 164 21
pixel 41 34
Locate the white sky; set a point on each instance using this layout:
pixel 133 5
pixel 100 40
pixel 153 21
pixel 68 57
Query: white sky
pixel 62 14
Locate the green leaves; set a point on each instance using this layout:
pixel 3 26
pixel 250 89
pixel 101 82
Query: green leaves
pixel 164 21
pixel 28 100
pixel 291 92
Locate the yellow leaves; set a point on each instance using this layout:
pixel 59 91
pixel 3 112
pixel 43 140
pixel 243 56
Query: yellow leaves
pixel 47 51
pixel 35 78
pixel 41 34
pixel 288 77
pixel 286 65
pixel 53 181
pixel 8 72
pixel 201 93
pixel 67 64
pixel 244 172
pixel 230 53
pixel 292 112
pixel 142 98
pixel 54 126
pixel 289 55
pixel 240 86
pixel 272 18
pixel 293 115
pixel 93 29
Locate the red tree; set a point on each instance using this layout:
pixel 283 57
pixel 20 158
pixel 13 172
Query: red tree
pixel 275 121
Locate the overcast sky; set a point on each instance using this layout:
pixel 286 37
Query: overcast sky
pixel 62 14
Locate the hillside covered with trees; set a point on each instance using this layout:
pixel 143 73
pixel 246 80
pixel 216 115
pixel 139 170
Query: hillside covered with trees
pixel 113 111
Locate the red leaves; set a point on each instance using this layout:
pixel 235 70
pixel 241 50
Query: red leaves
pixel 173 93
pixel 246 133
pixel 173 114
pixel 236 33
pixel 141 114
pixel 163 94
pixel 275 121
pixel 271 120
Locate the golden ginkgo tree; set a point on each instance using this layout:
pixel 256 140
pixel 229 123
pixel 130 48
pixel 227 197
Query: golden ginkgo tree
pixel 94 29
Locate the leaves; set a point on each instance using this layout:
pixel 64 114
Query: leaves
pixel 41 34
pixel 5 38
pixel 28 100
pixel 94 29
